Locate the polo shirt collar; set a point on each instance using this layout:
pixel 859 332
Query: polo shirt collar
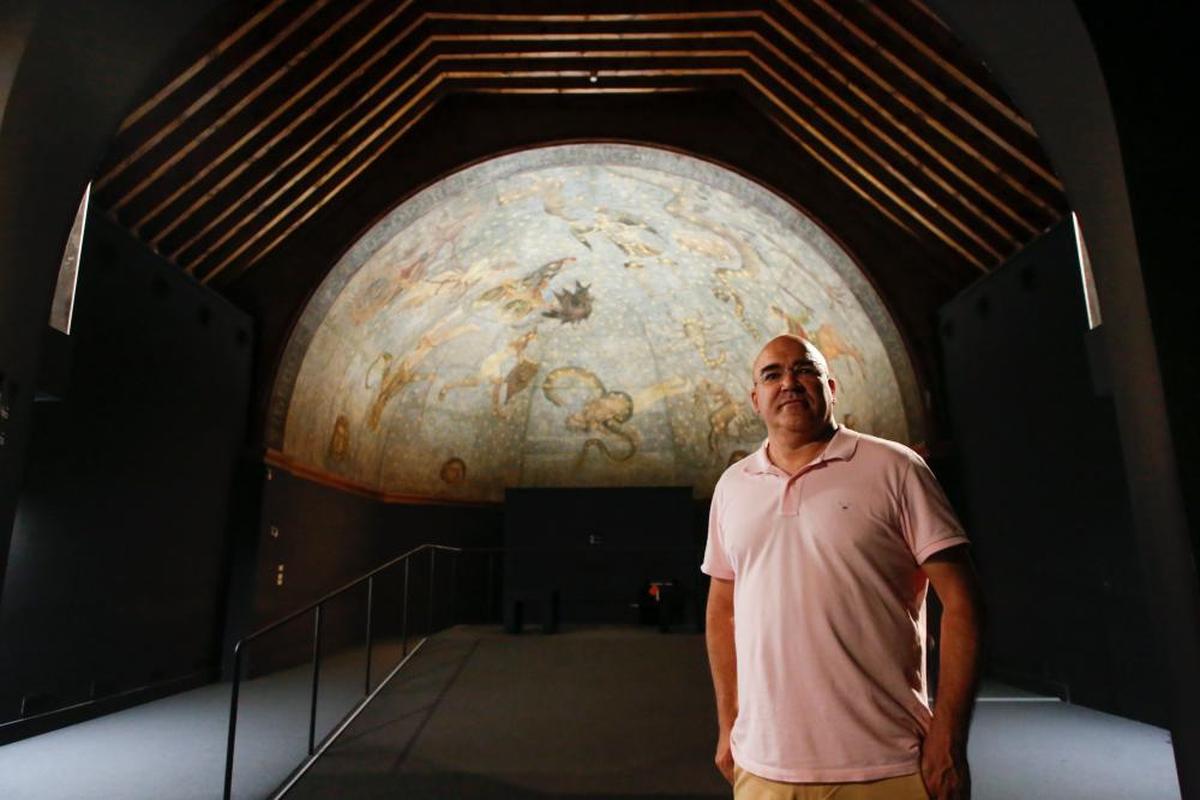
pixel 841 447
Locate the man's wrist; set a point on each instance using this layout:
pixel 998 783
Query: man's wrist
pixel 945 740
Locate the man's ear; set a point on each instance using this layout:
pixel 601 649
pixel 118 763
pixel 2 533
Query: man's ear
pixel 754 400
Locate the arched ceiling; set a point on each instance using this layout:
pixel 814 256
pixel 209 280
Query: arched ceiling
pixel 284 107
pixel 573 315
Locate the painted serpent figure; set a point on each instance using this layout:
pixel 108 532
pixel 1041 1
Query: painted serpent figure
pixel 597 410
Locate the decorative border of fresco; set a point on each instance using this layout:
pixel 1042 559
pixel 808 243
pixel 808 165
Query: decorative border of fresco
pixel 277 460
pixel 683 166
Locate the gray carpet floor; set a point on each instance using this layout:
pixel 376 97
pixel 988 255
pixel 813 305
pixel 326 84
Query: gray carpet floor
pixel 174 748
pixel 595 713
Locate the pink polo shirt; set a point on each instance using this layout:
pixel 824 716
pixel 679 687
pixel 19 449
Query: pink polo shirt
pixel 829 604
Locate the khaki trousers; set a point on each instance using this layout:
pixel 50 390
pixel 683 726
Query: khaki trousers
pixel 751 787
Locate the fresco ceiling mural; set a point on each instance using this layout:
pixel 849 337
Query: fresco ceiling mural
pixel 581 315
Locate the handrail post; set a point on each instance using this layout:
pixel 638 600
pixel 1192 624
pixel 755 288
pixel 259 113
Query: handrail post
pixel 432 575
pixel 404 614
pixel 453 587
pixel 316 681
pixel 227 793
pixel 491 590
pixel 370 601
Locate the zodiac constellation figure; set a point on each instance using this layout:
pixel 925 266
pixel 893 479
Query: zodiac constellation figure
pixel 339 440
pixel 693 329
pixel 596 410
pixel 506 383
pixel 520 298
pixel 826 337
pixel 396 376
pixel 727 418
pixel 450 284
pixel 726 279
pixel 377 295
pixel 831 343
pixel 548 190
pixel 624 230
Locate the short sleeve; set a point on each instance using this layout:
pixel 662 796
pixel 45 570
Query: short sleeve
pixel 716 560
pixel 926 518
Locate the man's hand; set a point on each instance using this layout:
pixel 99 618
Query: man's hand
pixel 724 757
pixel 945 772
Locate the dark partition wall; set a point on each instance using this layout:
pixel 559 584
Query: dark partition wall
pixel 324 537
pixel 621 555
pixel 313 539
pixel 1044 485
pixel 116 577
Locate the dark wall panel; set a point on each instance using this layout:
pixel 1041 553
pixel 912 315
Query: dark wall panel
pixel 590 555
pixel 117 570
pixel 1044 485
pixel 324 537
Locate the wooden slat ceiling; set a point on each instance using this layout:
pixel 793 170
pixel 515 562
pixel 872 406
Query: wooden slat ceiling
pixel 226 161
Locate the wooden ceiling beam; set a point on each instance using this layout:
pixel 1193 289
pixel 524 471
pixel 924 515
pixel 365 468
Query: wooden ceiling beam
pixel 966 116
pixel 855 107
pixel 378 131
pixel 212 163
pixel 261 229
pixel 176 156
pixel 922 141
pixel 838 99
pixel 887 167
pixel 308 111
pixel 891 194
pixel 967 230
pixel 199 65
pixel 913 108
pixel 999 106
pixel 583 90
pixel 963 145
pixel 879 206
pixel 360 102
pixel 199 103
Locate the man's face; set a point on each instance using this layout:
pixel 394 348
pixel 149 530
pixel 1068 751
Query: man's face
pixel 792 389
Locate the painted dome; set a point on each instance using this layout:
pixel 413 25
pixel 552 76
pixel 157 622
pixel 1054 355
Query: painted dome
pixel 582 315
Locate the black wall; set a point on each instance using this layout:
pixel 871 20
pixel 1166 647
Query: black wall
pixel 588 555
pixel 1044 485
pixel 325 537
pixel 117 571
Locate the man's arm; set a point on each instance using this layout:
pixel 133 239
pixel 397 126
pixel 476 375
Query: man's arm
pixel 723 662
pixel 944 752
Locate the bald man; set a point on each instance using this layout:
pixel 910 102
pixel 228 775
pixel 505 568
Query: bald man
pixel 821 546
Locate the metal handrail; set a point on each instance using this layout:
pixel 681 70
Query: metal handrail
pixel 317 608
pixel 344 588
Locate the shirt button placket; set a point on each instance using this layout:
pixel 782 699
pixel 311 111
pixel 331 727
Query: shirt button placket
pixel 797 490
pixel 789 502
